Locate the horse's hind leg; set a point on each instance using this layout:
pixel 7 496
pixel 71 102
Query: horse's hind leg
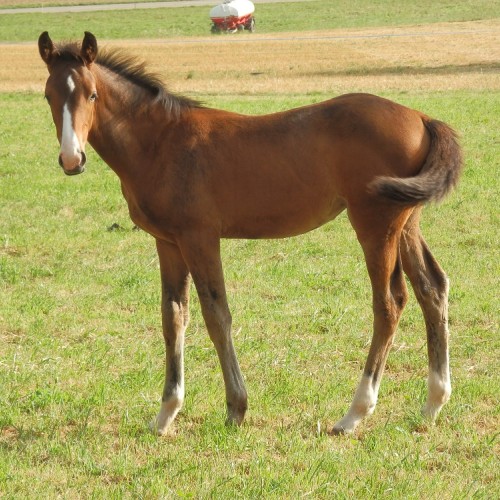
pixel 378 230
pixel 431 289
pixel 175 317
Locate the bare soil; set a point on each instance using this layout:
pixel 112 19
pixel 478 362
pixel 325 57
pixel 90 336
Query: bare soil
pixel 445 56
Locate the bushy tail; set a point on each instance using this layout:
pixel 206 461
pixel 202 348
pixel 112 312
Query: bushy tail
pixel 439 174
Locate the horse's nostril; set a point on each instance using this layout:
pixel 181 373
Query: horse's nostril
pixel 77 166
pixel 81 163
pixel 84 158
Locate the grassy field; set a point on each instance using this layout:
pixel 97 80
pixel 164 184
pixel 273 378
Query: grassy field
pixel 271 18
pixel 81 357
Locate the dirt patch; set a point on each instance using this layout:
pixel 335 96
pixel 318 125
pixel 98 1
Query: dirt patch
pixel 445 56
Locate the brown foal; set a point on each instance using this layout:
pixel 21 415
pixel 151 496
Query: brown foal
pixel 192 175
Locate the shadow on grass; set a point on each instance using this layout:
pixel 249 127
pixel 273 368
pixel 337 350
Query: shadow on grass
pixel 447 69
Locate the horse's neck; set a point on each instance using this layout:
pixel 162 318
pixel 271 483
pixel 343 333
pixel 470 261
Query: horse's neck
pixel 119 134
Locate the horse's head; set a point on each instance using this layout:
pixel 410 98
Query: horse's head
pixel 71 93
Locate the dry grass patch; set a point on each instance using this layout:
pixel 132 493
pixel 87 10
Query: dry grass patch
pixel 445 56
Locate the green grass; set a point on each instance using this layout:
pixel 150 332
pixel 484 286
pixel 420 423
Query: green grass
pixel 81 362
pixel 271 18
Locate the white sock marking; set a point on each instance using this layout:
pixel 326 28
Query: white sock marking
pixel 363 404
pixel 168 410
pixel 439 387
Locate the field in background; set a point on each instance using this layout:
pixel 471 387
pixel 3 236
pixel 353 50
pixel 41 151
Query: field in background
pixel 334 61
pixel 81 353
pixel 271 19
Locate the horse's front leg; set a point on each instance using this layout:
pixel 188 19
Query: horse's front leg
pixel 202 254
pixel 175 317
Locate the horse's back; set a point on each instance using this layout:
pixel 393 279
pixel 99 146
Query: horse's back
pixel 288 172
pixel 358 132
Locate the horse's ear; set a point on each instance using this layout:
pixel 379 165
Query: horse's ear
pixel 89 48
pixel 46 47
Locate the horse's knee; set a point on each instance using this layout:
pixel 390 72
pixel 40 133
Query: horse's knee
pixel 432 290
pixel 432 284
pixel 173 317
pixel 389 307
pixel 219 325
pixel 399 291
pixel 399 300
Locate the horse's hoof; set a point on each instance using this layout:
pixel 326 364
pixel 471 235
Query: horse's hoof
pixel 338 431
pixel 157 430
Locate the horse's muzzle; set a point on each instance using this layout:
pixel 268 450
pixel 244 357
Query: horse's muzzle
pixel 75 170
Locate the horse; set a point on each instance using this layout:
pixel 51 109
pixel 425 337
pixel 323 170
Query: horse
pixel 192 175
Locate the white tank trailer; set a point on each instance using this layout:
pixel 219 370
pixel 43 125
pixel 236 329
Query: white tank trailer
pixel 231 16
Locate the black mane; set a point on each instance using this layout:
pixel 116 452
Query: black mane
pixel 134 70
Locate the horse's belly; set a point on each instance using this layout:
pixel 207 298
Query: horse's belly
pixel 281 222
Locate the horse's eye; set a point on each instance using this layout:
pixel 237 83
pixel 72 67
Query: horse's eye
pixel 93 96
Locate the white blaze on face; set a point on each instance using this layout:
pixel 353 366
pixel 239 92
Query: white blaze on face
pixel 71 84
pixel 70 145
